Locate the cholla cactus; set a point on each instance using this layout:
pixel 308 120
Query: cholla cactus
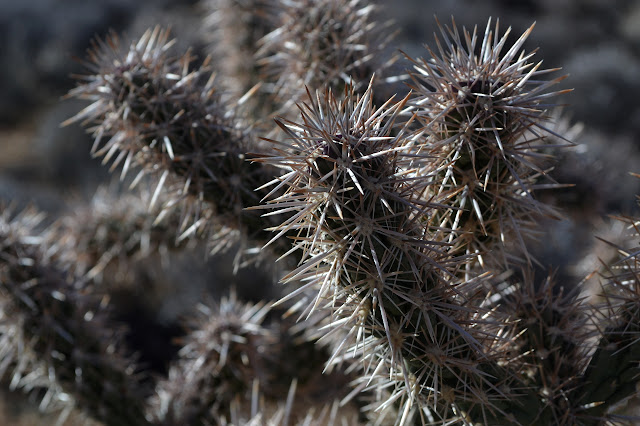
pixel 556 326
pixel 324 43
pixel 104 241
pixel 232 362
pixel 58 338
pixel 405 220
pixel 358 216
pixel 617 352
pixel 218 364
pixel 235 28
pixel 172 123
pixel 483 110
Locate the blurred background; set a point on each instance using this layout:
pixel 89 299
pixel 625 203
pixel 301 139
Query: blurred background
pixel 596 42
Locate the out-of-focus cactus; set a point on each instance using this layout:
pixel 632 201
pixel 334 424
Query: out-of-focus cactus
pixel 57 337
pixel 322 43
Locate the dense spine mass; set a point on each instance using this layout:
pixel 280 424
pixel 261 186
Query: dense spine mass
pixel 483 110
pixel 154 112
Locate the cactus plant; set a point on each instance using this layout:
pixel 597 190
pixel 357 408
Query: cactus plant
pixel 401 227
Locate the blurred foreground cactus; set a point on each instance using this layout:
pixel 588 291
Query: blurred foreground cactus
pixel 401 226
